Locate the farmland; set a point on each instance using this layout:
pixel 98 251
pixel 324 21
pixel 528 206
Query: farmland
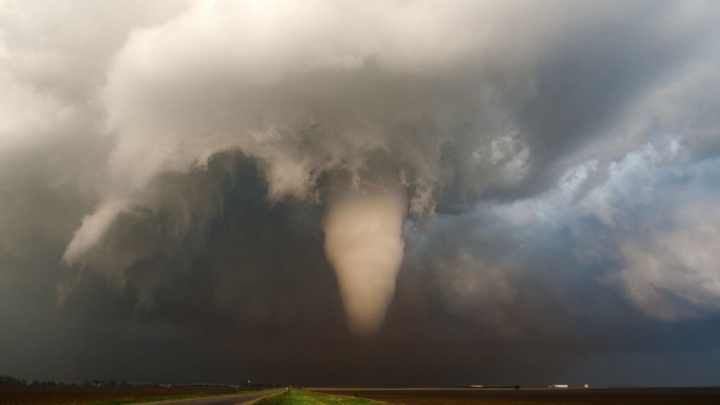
pixel 126 395
pixel 18 395
pixel 67 395
pixel 538 396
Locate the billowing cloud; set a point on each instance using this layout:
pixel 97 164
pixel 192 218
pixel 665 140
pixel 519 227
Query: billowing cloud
pixel 674 275
pixel 313 89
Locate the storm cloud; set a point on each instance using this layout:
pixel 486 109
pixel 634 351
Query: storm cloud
pixel 370 192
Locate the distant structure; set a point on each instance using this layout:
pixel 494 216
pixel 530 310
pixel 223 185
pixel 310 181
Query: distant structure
pixel 475 386
pixel 558 386
pixel 587 386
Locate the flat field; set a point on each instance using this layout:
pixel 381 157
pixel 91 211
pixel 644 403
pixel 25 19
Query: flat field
pixel 67 395
pixel 537 396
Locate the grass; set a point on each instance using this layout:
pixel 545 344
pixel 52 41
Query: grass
pixel 301 397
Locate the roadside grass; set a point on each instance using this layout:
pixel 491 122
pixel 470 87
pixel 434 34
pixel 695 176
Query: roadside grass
pixel 300 397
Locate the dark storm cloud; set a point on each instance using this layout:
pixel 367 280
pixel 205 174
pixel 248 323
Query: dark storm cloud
pixel 167 170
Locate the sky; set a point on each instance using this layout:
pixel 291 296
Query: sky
pixel 376 193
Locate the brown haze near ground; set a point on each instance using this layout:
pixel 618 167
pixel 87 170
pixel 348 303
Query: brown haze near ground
pixel 575 396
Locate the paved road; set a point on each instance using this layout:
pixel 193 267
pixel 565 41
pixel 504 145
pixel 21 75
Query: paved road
pixel 223 400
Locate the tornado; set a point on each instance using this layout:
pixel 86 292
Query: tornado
pixel 364 244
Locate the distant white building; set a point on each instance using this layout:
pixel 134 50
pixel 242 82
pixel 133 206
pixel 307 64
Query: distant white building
pixel 587 386
pixel 558 386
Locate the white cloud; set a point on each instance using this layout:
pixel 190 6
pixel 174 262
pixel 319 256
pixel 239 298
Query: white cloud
pixel 629 182
pixel 676 273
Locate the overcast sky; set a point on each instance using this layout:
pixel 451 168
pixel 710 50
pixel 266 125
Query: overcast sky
pixel 361 193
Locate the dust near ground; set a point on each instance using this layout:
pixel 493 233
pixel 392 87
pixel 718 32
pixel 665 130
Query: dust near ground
pixel 574 396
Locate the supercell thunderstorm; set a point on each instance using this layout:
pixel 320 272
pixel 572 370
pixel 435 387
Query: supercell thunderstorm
pixel 451 180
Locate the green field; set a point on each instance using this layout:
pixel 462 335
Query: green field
pixel 301 397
